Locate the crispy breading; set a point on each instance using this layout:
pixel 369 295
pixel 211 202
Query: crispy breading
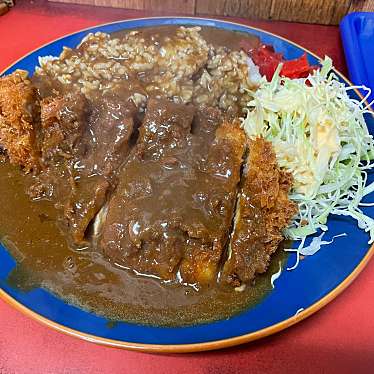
pixel 263 211
pixel 18 109
pixel 63 120
pixel 201 264
pixel 231 132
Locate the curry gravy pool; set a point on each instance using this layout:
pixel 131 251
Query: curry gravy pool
pixel 30 232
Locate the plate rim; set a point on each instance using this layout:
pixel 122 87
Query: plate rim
pixel 214 344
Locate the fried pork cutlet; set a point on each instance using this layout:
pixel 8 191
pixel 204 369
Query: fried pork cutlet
pixel 82 145
pixel 263 211
pixel 137 233
pixel 105 147
pixel 201 263
pixel 18 116
pixel 171 213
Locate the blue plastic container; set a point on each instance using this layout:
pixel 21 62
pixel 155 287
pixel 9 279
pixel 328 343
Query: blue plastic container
pixel 357 30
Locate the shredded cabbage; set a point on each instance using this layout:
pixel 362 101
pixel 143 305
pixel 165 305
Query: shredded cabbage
pixel 276 275
pixel 319 135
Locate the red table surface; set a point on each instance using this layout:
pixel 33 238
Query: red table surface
pixel 338 339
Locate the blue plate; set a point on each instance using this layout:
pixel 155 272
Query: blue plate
pixel 297 294
pixel 357 30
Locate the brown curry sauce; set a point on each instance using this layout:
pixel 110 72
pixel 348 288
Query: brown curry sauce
pixel 30 230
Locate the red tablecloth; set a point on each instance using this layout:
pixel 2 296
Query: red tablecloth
pixel 338 339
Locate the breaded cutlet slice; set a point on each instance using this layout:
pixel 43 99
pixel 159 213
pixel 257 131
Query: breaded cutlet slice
pixel 63 121
pixel 134 232
pixel 263 211
pixel 201 262
pixel 18 109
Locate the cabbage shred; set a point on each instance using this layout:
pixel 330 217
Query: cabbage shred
pixel 320 136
